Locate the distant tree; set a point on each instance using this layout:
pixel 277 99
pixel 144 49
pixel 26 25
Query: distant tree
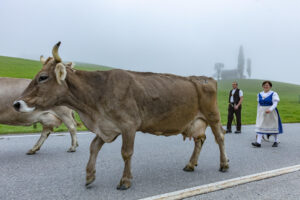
pixel 241 63
pixel 218 68
pixel 249 67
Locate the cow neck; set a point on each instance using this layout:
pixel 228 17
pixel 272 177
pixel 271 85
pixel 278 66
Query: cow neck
pixel 82 89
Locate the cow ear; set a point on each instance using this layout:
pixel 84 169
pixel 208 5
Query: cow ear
pixel 42 59
pixel 60 72
pixel 71 65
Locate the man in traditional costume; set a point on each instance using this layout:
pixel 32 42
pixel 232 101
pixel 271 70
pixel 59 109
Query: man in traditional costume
pixel 235 107
pixel 268 119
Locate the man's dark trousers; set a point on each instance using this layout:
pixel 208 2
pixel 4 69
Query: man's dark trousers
pixel 237 113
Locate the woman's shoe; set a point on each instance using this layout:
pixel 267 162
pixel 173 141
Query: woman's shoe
pixel 256 144
pixel 275 144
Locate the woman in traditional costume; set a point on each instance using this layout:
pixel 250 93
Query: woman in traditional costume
pixel 267 120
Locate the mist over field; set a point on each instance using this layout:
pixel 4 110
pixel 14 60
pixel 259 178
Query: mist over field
pixel 185 37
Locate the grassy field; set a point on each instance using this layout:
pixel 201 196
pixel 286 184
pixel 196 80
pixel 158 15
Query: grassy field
pixel 289 106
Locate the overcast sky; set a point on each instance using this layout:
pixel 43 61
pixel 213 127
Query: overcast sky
pixel 185 37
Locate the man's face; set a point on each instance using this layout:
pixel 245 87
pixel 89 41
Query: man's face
pixel 234 85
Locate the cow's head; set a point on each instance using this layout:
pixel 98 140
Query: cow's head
pixel 48 87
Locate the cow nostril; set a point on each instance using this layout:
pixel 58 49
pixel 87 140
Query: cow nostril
pixel 17 106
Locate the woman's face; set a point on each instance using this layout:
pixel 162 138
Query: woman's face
pixel 266 87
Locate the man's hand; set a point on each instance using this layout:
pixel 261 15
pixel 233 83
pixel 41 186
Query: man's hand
pixel 236 107
pixel 268 111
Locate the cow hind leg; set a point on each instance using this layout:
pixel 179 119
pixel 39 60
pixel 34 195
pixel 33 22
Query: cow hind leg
pixel 219 137
pixel 199 138
pixel 72 129
pixel 127 152
pixel 45 133
pixel 95 147
pixel 70 122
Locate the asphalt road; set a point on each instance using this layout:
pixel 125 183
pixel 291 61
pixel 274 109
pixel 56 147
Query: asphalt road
pixel 156 166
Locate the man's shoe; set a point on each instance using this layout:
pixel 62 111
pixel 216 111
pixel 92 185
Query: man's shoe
pixel 237 132
pixel 275 144
pixel 256 144
pixel 228 131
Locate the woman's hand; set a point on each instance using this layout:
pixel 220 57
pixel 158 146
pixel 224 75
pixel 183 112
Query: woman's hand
pixel 268 111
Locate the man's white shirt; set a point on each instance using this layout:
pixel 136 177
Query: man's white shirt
pixel 232 93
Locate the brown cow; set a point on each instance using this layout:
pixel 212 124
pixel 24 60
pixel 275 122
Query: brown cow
pixel 10 90
pixel 119 102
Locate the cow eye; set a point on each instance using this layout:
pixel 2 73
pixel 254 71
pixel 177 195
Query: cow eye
pixel 43 78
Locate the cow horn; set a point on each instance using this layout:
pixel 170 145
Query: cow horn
pixel 55 52
pixel 42 59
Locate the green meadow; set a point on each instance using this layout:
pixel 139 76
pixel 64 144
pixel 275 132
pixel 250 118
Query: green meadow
pixel 289 105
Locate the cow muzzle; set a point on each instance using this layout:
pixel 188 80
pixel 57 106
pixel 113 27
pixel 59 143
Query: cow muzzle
pixel 21 106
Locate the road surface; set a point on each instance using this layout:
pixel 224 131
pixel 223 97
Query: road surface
pixel 156 166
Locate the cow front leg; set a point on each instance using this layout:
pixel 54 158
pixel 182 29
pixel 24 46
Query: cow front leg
pixel 199 141
pixel 95 147
pixel 219 137
pixel 44 135
pixel 127 151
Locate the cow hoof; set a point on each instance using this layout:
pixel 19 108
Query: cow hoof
pixel 30 152
pixel 89 180
pixel 188 168
pixel 224 169
pixel 90 177
pixel 122 187
pixel 72 149
pixel 124 184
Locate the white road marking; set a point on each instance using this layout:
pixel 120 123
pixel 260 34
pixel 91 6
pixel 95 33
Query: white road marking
pixel 180 194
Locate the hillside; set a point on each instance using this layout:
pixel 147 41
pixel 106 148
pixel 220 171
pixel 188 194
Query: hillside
pixel 289 106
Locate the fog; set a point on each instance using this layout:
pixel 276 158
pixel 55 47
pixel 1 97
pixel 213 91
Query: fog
pixel 185 37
